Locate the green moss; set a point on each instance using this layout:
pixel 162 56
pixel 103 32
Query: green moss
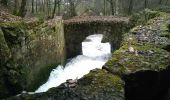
pixel 129 38
pixel 102 79
pixel 164 27
pixel 99 84
pixel 149 58
pixel 21 24
pixel 165 34
pixel 11 24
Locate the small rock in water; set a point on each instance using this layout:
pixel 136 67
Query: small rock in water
pixel 71 81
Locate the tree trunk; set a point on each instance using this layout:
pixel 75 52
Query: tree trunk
pixel 43 5
pixel 22 11
pixel 15 7
pixel 166 2
pixel 130 7
pixel 54 10
pixel 112 7
pixel 117 7
pixel 32 6
pixel 59 7
pixel 72 8
pixel 40 5
pixel 49 7
pixel 104 7
pixel 36 6
pixel 146 3
pixel 160 2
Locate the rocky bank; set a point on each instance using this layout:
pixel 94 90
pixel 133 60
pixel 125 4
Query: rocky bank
pixel 145 68
pixel 29 50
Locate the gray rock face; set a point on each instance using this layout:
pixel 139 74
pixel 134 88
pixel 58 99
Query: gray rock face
pixel 28 53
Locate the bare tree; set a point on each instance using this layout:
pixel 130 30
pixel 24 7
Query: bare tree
pixel 160 2
pixel 72 8
pixel 32 6
pixel 56 2
pixel 166 2
pixel 130 8
pixel 16 3
pixel 36 6
pixel 112 6
pixel 104 7
pixel 59 4
pixel 22 11
pixel 146 3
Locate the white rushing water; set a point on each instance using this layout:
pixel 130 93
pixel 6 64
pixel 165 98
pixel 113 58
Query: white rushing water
pixel 95 55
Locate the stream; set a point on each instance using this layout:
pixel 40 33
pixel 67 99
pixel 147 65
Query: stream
pixel 94 55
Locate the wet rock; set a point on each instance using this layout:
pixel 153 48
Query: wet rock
pixel 70 83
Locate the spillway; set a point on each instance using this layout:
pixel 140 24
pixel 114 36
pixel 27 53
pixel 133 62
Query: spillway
pixel 94 55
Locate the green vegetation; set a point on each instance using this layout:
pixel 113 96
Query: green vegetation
pixel 100 78
pixel 152 58
pixel 144 16
pixel 150 55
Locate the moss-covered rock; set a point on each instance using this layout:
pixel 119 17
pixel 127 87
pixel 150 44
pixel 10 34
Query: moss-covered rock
pixel 143 60
pixel 29 51
pixel 97 85
pixel 149 58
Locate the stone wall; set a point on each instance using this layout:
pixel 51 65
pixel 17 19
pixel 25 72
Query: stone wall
pixel 77 30
pixel 28 54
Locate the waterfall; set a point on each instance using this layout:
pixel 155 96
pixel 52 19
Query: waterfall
pixel 94 55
